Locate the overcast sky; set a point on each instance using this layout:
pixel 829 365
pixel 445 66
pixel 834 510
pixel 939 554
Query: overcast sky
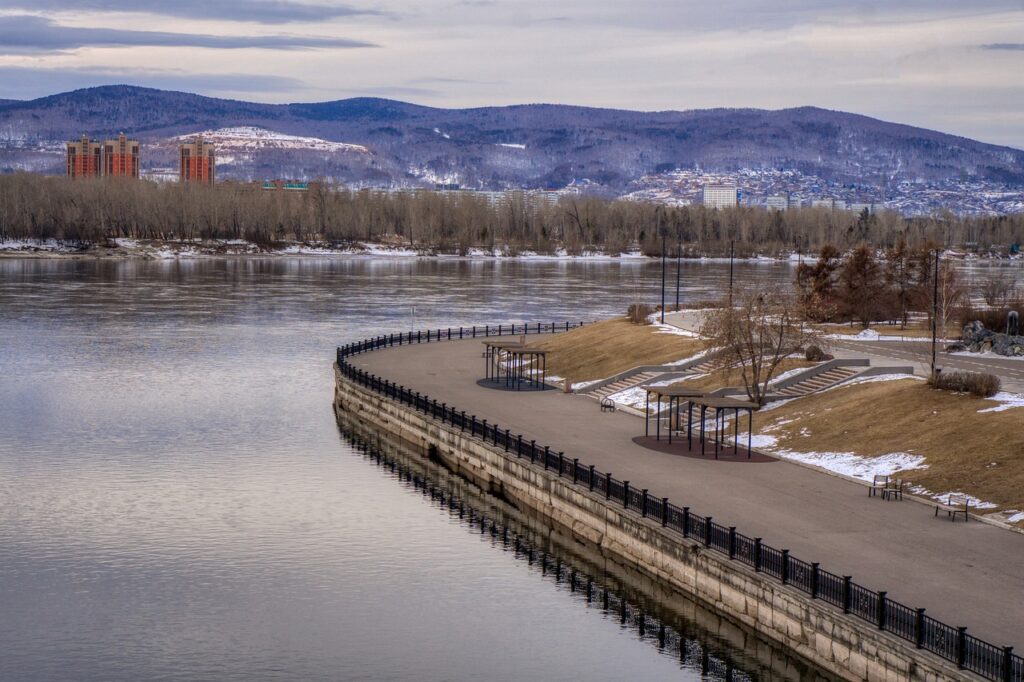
pixel 955 66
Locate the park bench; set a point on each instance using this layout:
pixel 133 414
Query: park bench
pixel 956 503
pixel 607 405
pixel 878 484
pixel 893 489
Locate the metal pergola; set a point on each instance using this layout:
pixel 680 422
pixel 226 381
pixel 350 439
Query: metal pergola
pixel 677 395
pixel 510 362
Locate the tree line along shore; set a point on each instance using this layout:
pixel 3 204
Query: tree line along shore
pixel 91 211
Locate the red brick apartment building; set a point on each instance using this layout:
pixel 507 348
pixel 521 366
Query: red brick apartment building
pixel 84 158
pixel 121 157
pixel 197 162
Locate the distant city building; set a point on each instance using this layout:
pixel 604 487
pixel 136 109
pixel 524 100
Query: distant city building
pixel 860 208
pixel 160 174
pixel 197 162
pixel 838 205
pixel 719 196
pixel 286 185
pixel 121 157
pixel 84 158
pixel 778 202
pixel 822 203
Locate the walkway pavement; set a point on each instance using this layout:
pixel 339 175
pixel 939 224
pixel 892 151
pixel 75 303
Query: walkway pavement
pixel 965 574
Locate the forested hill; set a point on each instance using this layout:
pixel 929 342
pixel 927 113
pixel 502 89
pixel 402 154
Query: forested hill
pixel 535 145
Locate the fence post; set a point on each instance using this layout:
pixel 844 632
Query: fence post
pixel 547 451
pixel 961 646
pixel 607 486
pixel 519 445
pixel 472 425
pixel 575 466
pixel 591 477
pixel 707 531
pixel 625 490
pixel 686 522
pixel 561 463
pixel 460 332
pixel 1007 664
pixel 785 566
pixel 462 424
pixel 508 438
pixel 664 507
pixel 757 555
pixel 643 503
pixel 533 451
pixel 483 430
pixel 814 580
pixel 732 542
pixel 847 593
pixel 881 609
pixel 919 629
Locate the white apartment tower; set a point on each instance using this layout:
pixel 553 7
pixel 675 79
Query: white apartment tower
pixel 719 196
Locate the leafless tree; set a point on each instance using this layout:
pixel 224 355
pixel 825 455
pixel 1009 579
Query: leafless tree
pixel 755 334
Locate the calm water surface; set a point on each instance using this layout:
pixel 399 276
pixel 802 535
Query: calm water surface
pixel 176 501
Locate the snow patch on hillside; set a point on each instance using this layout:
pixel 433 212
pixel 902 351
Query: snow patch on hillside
pixel 253 138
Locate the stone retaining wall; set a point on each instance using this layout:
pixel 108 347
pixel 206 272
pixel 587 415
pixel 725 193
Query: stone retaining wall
pixel 844 645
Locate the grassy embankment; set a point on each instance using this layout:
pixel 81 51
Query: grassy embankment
pixel 980 453
pixel 599 350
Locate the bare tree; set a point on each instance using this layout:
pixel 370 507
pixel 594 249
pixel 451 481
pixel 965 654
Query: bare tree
pixel 755 335
pixel 998 288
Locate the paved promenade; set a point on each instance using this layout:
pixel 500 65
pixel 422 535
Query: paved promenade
pixel 965 574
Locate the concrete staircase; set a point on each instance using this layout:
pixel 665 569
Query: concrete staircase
pixel 818 382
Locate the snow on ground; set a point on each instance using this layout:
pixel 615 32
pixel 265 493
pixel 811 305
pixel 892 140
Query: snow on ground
pixel 974 502
pixel 845 463
pixel 635 397
pixel 695 356
pixel 510 145
pixel 675 331
pixel 1006 401
pixel 1015 518
pixel 583 384
pixel 251 138
pixel 788 374
pixel 37 245
pixel 988 355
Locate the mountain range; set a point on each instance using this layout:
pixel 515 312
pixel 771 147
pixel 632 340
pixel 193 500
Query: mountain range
pixel 379 142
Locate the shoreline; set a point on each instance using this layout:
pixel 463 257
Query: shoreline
pixel 168 250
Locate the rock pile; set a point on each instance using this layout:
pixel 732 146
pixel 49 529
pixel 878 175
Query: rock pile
pixel 977 339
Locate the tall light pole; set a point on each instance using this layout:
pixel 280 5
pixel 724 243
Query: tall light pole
pixel 935 310
pixel 662 275
pixel 679 265
pixel 732 253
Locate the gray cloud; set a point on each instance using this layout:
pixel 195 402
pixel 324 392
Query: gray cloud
pixel 1019 47
pixel 22 33
pixel 258 11
pixel 24 82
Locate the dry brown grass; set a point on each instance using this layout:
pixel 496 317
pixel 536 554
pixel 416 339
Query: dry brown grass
pixel 981 454
pixel 599 350
pixel 731 376
pixel 915 329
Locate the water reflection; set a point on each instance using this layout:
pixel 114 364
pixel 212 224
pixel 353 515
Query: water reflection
pixel 704 645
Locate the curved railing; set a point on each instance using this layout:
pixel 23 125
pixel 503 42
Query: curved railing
pixel 951 643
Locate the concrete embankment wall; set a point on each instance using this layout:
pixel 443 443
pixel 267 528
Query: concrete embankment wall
pixel 848 647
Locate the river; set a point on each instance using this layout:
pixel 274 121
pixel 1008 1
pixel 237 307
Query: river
pixel 177 501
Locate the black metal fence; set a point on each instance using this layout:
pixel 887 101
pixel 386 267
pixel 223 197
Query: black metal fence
pixel 951 643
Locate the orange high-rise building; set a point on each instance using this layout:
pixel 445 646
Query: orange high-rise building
pixel 84 158
pixel 121 157
pixel 197 161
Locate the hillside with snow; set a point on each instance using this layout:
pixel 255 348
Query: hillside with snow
pixel 248 139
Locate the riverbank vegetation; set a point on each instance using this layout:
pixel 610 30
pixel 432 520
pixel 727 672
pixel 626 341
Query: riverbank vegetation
pixel 92 211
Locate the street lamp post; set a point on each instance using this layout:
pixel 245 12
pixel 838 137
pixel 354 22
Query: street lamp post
pixel 732 253
pixel 935 310
pixel 679 265
pixel 663 276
